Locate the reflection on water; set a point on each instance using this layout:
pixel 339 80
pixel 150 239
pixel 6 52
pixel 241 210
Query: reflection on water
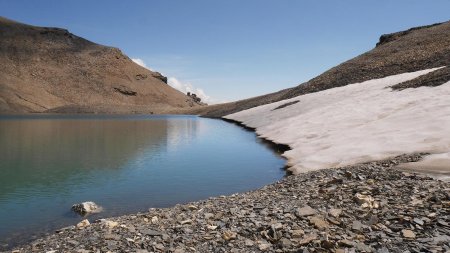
pixel 124 163
pixel 46 152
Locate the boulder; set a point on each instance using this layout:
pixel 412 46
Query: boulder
pixel 86 208
pixel 159 76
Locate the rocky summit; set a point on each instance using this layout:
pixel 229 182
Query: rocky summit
pixel 370 207
pixel 46 69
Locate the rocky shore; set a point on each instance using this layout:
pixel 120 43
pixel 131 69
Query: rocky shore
pixel 369 207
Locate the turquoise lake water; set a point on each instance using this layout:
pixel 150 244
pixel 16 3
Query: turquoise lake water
pixel 125 164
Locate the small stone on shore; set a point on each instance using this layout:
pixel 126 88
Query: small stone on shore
pixel 83 223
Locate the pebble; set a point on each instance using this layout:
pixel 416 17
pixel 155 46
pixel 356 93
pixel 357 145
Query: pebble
pixel 418 221
pixel 263 246
pixel 229 235
pixel 110 224
pixel 357 225
pixel 318 222
pixel 307 239
pixel 249 243
pixel 335 212
pixel 186 222
pixel 297 233
pixel 83 223
pixel 408 234
pixel 366 201
pixel 305 211
pixel 159 246
pixel 151 232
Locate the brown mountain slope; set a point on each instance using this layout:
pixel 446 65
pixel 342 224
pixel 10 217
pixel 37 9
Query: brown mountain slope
pixel 51 70
pixel 415 49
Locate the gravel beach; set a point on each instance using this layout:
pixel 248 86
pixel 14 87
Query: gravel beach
pixel 370 207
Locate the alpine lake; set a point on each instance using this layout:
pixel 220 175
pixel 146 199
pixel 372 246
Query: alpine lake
pixel 124 163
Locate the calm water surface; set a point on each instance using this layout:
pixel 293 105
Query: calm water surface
pixel 124 163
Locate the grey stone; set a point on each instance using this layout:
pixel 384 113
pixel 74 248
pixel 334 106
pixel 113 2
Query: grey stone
pixel 86 208
pixel 151 232
pixel 305 211
pixel 357 225
pixel 418 221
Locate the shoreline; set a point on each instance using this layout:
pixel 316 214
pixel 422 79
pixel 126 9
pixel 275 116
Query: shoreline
pixel 22 237
pixel 367 207
pixel 277 147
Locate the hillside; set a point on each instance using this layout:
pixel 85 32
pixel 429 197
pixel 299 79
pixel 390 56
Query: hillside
pixel 361 122
pixel 406 51
pixel 52 70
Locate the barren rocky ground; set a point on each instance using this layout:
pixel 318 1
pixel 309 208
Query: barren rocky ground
pixel 369 207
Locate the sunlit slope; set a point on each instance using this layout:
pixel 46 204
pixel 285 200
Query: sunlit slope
pixel 52 70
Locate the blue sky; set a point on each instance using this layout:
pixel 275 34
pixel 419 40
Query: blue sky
pixel 233 49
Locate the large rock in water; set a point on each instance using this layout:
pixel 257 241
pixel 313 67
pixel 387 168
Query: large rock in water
pixel 86 208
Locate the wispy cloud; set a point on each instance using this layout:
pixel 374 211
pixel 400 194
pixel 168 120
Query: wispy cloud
pixel 140 62
pixel 182 86
pixel 186 87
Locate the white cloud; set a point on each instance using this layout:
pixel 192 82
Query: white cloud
pixel 186 87
pixel 140 62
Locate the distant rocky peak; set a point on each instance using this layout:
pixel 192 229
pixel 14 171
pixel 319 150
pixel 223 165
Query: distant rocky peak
pixel 385 38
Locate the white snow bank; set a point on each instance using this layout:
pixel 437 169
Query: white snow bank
pixel 437 164
pixel 356 123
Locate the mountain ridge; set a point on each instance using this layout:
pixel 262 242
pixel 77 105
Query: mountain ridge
pixel 47 69
pixel 399 52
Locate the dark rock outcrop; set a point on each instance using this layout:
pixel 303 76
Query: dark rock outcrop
pixel 286 105
pixel 125 91
pixel 432 79
pixel 385 38
pixel 194 97
pixel 141 76
pixel 159 76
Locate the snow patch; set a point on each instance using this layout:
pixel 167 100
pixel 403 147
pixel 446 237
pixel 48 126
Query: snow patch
pixel 356 123
pixel 437 164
